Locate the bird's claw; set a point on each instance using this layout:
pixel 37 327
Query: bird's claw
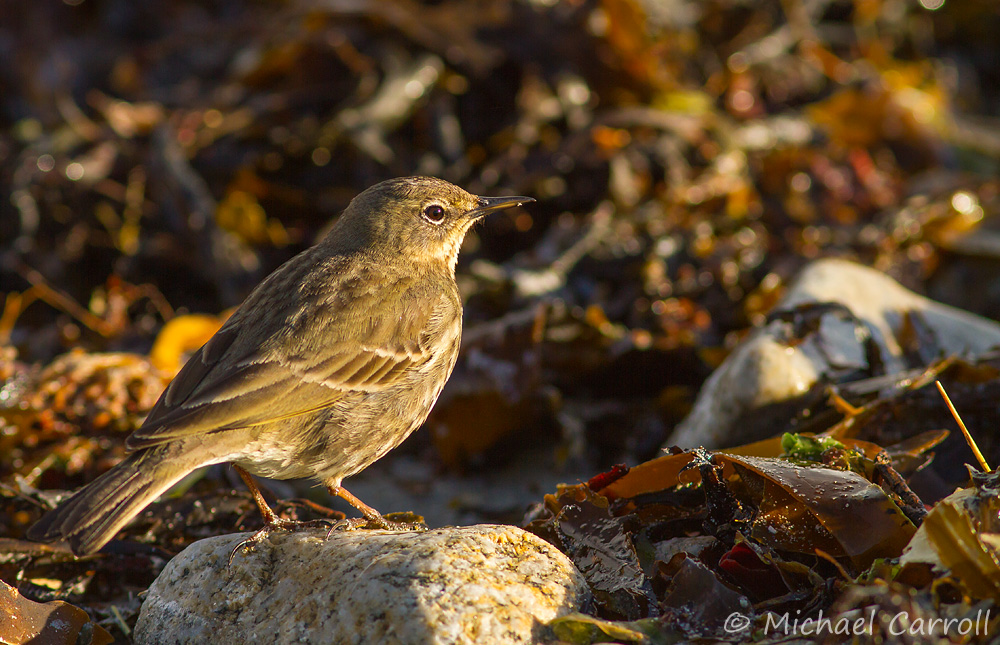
pixel 379 522
pixel 390 525
pixel 279 524
pixel 347 525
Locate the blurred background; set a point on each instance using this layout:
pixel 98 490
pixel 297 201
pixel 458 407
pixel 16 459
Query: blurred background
pixel 159 158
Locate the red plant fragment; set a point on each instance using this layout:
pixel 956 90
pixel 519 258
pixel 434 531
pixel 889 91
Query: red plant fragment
pixel 759 578
pixel 597 482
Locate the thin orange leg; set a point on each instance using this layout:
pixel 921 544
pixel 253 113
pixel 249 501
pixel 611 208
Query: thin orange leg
pixel 366 510
pixel 270 517
pixel 371 515
pixel 271 520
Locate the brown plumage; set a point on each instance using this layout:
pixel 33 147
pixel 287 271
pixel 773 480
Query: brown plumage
pixel 331 362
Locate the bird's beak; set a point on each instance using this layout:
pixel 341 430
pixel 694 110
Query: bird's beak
pixel 488 205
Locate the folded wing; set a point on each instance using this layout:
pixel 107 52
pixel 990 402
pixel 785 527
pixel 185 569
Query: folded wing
pixel 246 376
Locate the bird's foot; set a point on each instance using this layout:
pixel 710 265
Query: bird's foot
pixel 377 522
pixel 280 524
pixel 372 518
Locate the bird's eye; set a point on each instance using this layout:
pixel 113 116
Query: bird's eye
pixel 434 214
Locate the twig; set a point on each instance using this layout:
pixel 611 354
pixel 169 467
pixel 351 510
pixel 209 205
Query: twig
pixel 832 560
pixel 120 620
pixel 965 431
pixel 42 291
pixel 909 502
pixel 224 257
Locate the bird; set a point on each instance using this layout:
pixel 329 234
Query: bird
pixel 330 363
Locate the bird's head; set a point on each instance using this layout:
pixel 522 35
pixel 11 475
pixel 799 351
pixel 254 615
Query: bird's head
pixel 418 217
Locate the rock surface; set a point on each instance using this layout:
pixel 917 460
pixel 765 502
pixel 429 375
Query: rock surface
pixel 476 584
pixel 773 365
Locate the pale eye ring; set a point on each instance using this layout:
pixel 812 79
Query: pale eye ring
pixel 434 213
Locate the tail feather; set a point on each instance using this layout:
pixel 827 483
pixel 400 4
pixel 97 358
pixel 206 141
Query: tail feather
pixel 90 518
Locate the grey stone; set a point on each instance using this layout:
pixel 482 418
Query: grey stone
pixel 476 584
pixel 767 370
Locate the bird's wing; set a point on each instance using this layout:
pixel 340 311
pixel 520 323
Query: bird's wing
pixel 245 377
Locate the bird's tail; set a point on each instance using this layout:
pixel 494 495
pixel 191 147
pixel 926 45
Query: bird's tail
pixel 90 518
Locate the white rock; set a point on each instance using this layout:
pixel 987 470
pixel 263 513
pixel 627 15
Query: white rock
pixel 765 370
pixel 476 584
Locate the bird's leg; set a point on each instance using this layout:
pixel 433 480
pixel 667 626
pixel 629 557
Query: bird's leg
pixel 371 516
pixel 271 520
pixel 370 513
pixel 270 517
